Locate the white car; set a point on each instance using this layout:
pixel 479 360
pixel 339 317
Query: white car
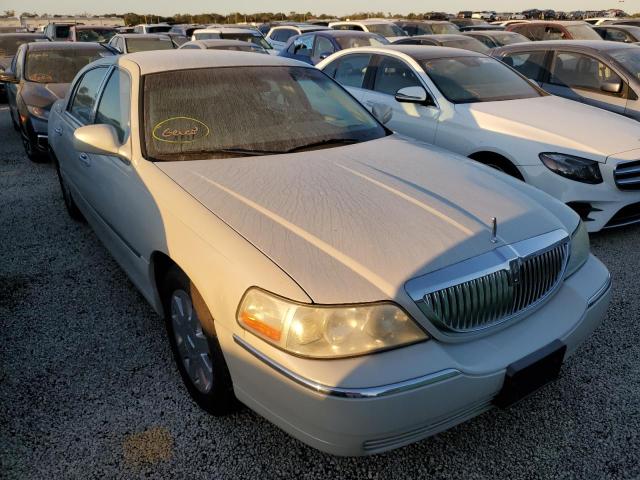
pixel 145 28
pixel 233 33
pixel 359 289
pixel 475 106
pixel 279 35
pixel 386 28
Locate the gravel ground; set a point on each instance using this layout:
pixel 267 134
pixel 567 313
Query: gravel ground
pixel 88 388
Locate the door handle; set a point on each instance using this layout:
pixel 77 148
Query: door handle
pixel 84 158
pixel 58 131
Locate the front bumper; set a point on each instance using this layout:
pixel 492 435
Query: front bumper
pixel 600 206
pixel 375 403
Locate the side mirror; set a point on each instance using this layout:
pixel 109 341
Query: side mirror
pixel 323 56
pixel 382 112
pixel 8 77
pixel 413 95
pixel 609 87
pixel 99 140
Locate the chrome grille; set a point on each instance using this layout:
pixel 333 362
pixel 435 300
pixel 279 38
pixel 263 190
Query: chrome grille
pixel 495 287
pixel 627 175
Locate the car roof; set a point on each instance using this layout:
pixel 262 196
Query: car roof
pixel 426 52
pixel 556 22
pixel 421 21
pixel 369 21
pixel 35 46
pixel 94 27
pixel 600 45
pixel 441 36
pixel 489 33
pixel 155 61
pixel 620 26
pixel 22 35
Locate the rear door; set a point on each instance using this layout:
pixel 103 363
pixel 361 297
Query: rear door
pixel 352 71
pixel 76 166
pixel 582 77
pixel 390 75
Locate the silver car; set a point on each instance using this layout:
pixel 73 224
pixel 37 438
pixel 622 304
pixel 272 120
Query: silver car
pixel 360 290
pixel 599 73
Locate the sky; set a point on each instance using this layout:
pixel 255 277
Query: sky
pixel 337 7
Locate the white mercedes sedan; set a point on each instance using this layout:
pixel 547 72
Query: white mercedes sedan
pixel 476 106
pixel 358 289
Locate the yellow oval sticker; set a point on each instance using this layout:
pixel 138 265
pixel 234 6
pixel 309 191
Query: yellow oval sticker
pixel 180 130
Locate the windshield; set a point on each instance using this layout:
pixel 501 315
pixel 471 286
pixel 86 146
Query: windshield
pixel 247 37
pixel 629 58
pixel 144 44
pixel 477 79
pixel 101 35
pixel 361 41
pixel 9 44
pixel 59 66
pixel 583 32
pixel 159 29
pixel 466 44
pixel 249 47
pixel 443 28
pixel 386 29
pixel 509 38
pixel 231 112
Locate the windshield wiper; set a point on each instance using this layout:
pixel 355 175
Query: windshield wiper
pixel 322 143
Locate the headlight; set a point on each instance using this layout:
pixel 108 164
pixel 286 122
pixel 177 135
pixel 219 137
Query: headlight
pixel 322 331
pixel 575 168
pixel 580 250
pixel 38 112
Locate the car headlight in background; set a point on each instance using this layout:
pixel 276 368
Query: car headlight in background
pixel 580 249
pixel 321 331
pixel 38 112
pixel 575 168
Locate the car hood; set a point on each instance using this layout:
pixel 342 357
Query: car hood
pixel 43 94
pixel 354 223
pixel 559 122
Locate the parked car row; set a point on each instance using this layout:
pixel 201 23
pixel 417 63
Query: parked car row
pixel 401 228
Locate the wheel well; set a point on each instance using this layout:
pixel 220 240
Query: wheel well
pixel 160 263
pixel 492 158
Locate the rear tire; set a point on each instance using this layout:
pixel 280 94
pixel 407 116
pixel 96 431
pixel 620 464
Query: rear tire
pixel 197 352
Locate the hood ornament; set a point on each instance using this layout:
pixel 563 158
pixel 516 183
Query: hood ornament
pixel 494 230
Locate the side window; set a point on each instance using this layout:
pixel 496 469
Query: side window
pixel 303 45
pixel 410 30
pixel 392 75
pixel 114 104
pixel 85 95
pixel 616 35
pixel 486 40
pixel 529 64
pixel 323 47
pixel 284 34
pixel 581 71
pixel 352 69
pixel 535 32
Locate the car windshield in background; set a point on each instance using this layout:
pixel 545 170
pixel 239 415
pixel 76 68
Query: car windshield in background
pixel 477 79
pixel 583 32
pixel 249 47
pixel 232 112
pixel 159 29
pixel 9 44
pixel 97 35
pixel 59 65
pixel 360 41
pixel 246 37
pixel 443 28
pixel 629 58
pixel 508 39
pixel 144 44
pixel 467 44
pixel 386 30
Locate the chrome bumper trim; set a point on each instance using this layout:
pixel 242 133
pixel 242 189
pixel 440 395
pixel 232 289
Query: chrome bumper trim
pixel 369 392
pixel 595 298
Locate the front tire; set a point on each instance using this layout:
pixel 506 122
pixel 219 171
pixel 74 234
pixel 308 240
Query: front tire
pixel 197 352
pixel 31 149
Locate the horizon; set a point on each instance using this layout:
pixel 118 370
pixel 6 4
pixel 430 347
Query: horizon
pixel 336 7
